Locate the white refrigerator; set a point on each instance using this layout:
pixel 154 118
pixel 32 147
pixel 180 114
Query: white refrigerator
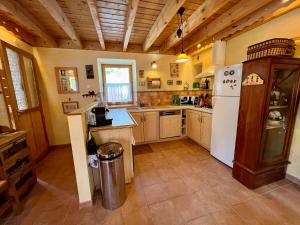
pixel 225 112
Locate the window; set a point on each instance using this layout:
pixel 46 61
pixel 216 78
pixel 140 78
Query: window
pixel 117 83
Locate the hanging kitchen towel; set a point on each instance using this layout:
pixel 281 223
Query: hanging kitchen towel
pixel 93 161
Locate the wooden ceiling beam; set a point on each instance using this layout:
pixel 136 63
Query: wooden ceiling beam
pixel 268 12
pixel 133 5
pixel 204 12
pixel 18 31
pixel 14 11
pixel 166 15
pixel 265 14
pixel 62 20
pixel 94 13
pixel 237 12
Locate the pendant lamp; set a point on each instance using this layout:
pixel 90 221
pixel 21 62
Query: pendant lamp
pixel 182 57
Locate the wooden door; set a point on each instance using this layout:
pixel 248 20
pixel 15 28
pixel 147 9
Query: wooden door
pixel 194 125
pixel 138 131
pixel 150 126
pixel 170 126
pixel 206 122
pixel 24 99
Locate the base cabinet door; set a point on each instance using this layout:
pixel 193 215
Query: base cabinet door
pixel 170 126
pixel 150 121
pixel 194 126
pixel 206 122
pixel 138 131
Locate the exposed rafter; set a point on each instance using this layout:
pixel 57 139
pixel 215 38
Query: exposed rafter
pixel 265 14
pixel 59 16
pixel 268 12
pixel 204 12
pixel 18 14
pixel 234 14
pixel 133 5
pixel 18 31
pixel 167 13
pixel 94 13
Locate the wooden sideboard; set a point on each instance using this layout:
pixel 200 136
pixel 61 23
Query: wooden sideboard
pixel 16 166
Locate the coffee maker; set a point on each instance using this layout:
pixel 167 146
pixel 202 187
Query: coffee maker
pixel 100 116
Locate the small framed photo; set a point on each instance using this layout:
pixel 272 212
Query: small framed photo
pixel 141 73
pixel 70 106
pixel 170 82
pixel 67 80
pixel 178 82
pixel 174 70
pixel 89 71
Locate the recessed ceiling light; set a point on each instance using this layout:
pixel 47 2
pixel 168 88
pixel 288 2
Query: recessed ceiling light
pixel 199 45
pixel 284 1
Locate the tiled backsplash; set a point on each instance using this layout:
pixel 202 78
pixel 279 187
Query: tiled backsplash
pixel 154 98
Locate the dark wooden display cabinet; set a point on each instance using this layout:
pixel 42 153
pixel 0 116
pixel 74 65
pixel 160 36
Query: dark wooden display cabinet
pixel 266 120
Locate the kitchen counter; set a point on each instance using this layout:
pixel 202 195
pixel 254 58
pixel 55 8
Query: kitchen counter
pixel 121 119
pixel 169 107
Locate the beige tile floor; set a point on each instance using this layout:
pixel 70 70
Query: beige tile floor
pixel 176 183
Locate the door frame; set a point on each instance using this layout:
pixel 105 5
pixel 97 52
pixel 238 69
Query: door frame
pixel 7 74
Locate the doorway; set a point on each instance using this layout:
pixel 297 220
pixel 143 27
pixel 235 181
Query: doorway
pixel 22 97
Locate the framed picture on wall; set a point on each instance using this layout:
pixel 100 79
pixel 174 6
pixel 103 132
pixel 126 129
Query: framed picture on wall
pixel 70 106
pixel 174 70
pixel 67 80
pixel 89 71
pixel 170 82
pixel 141 73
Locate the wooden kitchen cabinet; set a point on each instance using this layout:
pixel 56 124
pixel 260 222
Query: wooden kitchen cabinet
pixel 147 128
pixel 138 131
pixel 205 131
pixel 194 125
pixel 199 127
pixel 170 126
pixel 150 121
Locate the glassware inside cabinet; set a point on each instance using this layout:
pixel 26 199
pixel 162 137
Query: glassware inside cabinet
pixel 277 123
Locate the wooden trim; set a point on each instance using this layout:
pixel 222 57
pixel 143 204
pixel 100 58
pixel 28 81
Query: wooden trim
pixel 62 20
pixel 103 66
pixel 132 8
pixel 59 147
pixel 58 81
pixel 94 14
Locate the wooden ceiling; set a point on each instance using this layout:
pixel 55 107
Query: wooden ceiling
pixel 134 25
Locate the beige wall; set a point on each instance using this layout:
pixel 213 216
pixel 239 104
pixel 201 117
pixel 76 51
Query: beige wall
pixel 11 39
pixel 286 26
pixel 56 121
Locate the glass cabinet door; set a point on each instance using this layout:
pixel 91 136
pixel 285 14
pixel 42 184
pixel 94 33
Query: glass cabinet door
pixel 279 111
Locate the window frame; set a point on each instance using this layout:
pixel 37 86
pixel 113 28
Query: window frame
pixel 103 66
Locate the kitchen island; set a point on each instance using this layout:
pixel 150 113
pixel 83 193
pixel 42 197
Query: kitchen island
pixel 120 130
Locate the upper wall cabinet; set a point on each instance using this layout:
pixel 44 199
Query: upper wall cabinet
pixel 67 80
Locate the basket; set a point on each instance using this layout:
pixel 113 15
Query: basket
pixel 272 47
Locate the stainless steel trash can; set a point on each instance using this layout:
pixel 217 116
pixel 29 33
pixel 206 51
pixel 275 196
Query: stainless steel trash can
pixel 112 174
